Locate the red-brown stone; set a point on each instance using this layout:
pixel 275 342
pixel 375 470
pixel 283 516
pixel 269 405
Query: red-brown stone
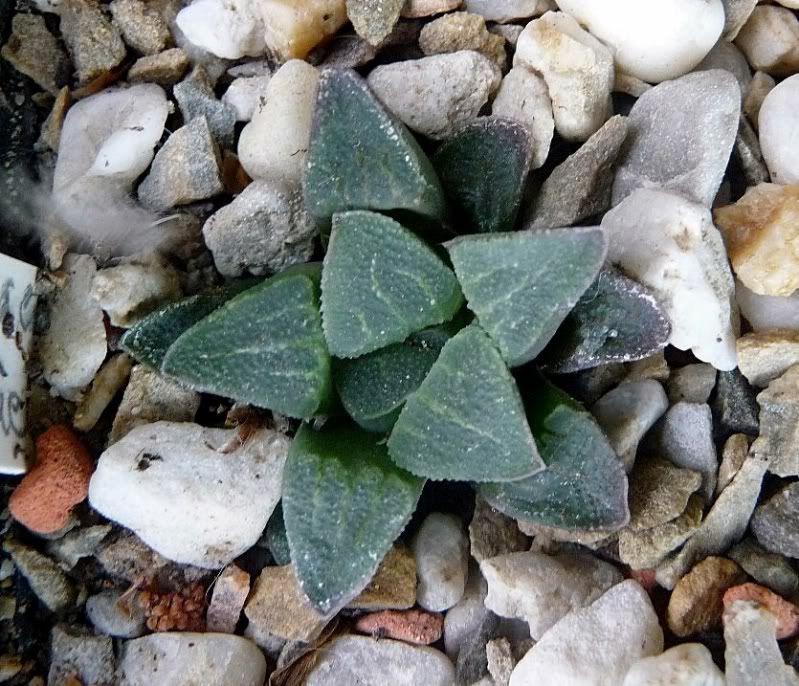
pixel 411 626
pixel 786 612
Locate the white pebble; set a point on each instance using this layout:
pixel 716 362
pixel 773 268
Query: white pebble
pixel 246 95
pixel 689 664
pixel 778 123
pixel 442 561
pixel 765 312
pixel 226 29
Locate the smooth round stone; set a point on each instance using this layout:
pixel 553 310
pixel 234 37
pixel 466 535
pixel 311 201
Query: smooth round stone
pixel 689 664
pixel 653 41
pixel 778 123
pixel 765 312
pixel 442 561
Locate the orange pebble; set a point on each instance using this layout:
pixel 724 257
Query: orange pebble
pixel 57 482
pixel 412 626
pixel 786 612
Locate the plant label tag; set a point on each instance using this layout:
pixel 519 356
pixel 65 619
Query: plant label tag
pixel 17 306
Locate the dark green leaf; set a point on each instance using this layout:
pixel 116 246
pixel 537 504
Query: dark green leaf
pixel 265 347
pixel 584 485
pixel 466 421
pixel 276 539
pixel 373 388
pixel 522 285
pixel 344 503
pixel 616 320
pixel 483 168
pixel 361 157
pixel 380 284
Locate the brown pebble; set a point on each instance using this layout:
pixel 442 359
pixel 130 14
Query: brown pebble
pixel 57 482
pixel 227 601
pixel 786 612
pixel 411 626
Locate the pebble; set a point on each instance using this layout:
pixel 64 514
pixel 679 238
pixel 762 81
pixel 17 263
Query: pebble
pixel 196 98
pixel 733 455
pixel 766 355
pixel 787 613
pixel 227 31
pixel 182 658
pixel 500 660
pixel 274 145
pixel 749 157
pixel 34 51
pixel 464 620
pixel 524 98
pixel 291 32
pixel 93 42
pixel 695 604
pixel 670 245
pixel 436 95
pixel 756 231
pixel 78 655
pixel 393 587
pixel 491 533
pixel 246 95
pixel 577 68
pixel 141 24
pixel 109 381
pixel 692 383
pixel 685 437
pixel 74 347
pixel 650 42
pixel 724 55
pixel 778 441
pixel 770 40
pixel 57 482
pixel 510 32
pixel 361 660
pixel 759 87
pixel 412 626
pixel 165 68
pixel 775 523
pixel 764 312
pixel 509 10
pixel 688 664
pixel 48 583
pixel 737 13
pixel 442 561
pixel 653 367
pixel 659 492
pixel 701 111
pixel 734 406
pixel 627 412
pixel 771 570
pixel 277 608
pixel 185 169
pixel 580 187
pixel 542 589
pixel 77 544
pixel 115 615
pixel 135 287
pixel 752 655
pixel 462 31
pixel 415 9
pixel 149 481
pixel 472 664
pixel 264 230
pixel 374 21
pixel 227 600
pixel 596 644
pixel 724 524
pixel 779 129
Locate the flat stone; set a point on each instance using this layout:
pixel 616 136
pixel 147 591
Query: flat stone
pixel 32 50
pixel 196 99
pixel 779 130
pixel 185 169
pixel 749 156
pixel 492 533
pixel 352 660
pixel 464 620
pixel 462 31
pixel 246 95
pixel 577 68
pixel 659 492
pixel 277 607
pixel 692 383
pixel 733 455
pixel 752 655
pixel 724 55
pixel 510 32
pixel 685 437
pixel 596 644
pixel 113 614
pixel 48 583
pixel 436 95
pixel 374 21
pixel 688 664
pixel 500 660
pixel 442 556
pixel 769 569
pixel 580 187
pixel 142 25
pixel 769 40
pixel 766 312
pixel 787 613
pixel 393 587
pixel 92 40
pixel 652 367
pixel 775 523
pixel 524 98
pixel 723 525
pixel 736 13
pixel 227 600
pixel 264 230
pixel 542 589
pixel 412 626
pixel 766 355
pixel 627 412
pixel 77 544
pixel 778 441
pixel 186 494
pixel 509 10
pixel 471 667
pixel 150 397
pixel 77 654
pixel 670 245
pixel 759 87
pixel 164 68
pixel 734 405
pixel 181 658
pixel 695 604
